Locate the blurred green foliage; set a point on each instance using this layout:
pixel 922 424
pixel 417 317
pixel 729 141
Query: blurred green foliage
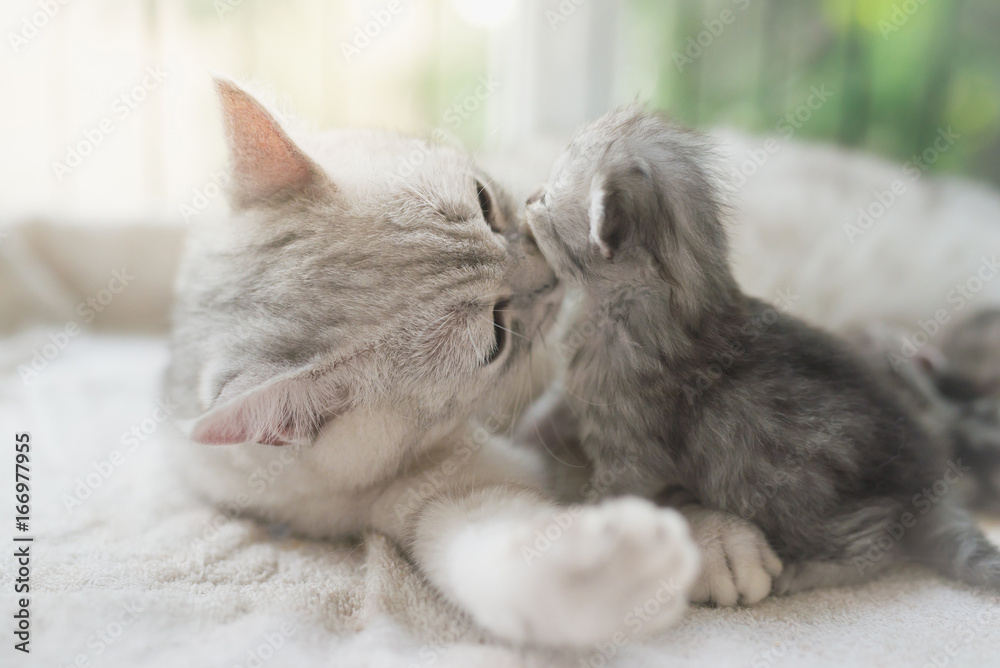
pixel 898 70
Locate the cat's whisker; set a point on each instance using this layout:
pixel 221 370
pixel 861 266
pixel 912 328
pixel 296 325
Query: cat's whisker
pixel 412 419
pixel 584 401
pixel 548 448
pixel 507 329
pixel 482 144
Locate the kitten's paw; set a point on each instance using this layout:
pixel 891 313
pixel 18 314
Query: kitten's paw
pixel 587 573
pixel 738 564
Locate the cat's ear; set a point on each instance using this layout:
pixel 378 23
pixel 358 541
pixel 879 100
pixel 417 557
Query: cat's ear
pixel 620 196
pixel 286 410
pixel 264 161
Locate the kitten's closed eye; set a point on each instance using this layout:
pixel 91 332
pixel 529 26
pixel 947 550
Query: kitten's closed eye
pixel 499 331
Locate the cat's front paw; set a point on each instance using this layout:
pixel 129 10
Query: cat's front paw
pixel 623 566
pixel 738 564
pixel 581 577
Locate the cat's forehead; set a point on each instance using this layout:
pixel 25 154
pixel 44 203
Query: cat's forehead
pixel 366 158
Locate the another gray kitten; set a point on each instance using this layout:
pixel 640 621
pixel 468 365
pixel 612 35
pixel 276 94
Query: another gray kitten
pixel 681 380
pixel 971 347
pixel 954 394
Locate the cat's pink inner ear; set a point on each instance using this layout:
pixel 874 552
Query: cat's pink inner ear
pixel 264 160
pixel 264 415
pixel 215 432
pixel 232 427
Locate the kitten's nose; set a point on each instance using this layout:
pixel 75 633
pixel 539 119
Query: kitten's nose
pixel 526 231
pixel 534 197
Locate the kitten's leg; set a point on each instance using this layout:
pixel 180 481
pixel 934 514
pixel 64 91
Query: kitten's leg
pixel 820 574
pixel 550 428
pixel 531 571
pixel 864 541
pixel 738 564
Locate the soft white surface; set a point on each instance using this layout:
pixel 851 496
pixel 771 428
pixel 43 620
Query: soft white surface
pixel 211 596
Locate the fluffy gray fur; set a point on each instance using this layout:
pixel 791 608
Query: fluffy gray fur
pixel 679 379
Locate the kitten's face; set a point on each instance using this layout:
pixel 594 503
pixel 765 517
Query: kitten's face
pixel 631 200
pixel 360 271
pixel 559 215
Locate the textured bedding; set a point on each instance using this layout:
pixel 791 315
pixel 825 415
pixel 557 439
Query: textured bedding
pixel 129 569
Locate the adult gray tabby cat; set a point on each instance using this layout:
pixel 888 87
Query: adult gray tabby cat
pixel 679 380
pixel 358 320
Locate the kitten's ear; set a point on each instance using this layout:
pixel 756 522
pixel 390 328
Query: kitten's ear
pixel 264 161
pixel 287 410
pixel 620 197
pixel 931 360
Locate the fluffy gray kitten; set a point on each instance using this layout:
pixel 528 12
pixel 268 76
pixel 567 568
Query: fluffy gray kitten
pixel 678 379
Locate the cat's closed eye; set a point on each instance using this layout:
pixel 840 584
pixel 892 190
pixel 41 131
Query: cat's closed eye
pixel 486 206
pixel 499 332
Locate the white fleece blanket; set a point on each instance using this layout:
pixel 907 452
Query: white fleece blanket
pixel 127 569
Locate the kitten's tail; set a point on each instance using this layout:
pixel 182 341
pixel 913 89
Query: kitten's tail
pixel 948 540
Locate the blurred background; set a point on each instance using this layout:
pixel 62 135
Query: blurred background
pixel 109 113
